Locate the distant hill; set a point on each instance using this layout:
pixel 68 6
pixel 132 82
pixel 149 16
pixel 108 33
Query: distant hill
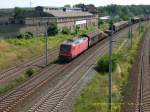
pixel 6 12
pixel 11 11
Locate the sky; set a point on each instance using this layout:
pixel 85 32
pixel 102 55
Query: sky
pixel 26 3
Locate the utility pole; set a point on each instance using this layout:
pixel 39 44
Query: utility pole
pixel 110 68
pixel 46 45
pixel 30 3
pixel 130 32
pixel 139 26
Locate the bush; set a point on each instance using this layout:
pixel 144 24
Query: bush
pixel 103 63
pixel 77 29
pixel 73 33
pixel 20 36
pixel 52 29
pixel 29 72
pixel 26 35
pixel 66 30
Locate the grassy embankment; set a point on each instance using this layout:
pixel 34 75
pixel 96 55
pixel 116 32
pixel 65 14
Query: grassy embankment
pixel 18 50
pixel 94 97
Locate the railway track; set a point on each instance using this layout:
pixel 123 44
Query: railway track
pixel 35 63
pixel 57 99
pixel 143 98
pixel 54 98
pixel 28 88
pixel 9 102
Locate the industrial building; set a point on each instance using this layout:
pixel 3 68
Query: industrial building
pixel 63 17
pixel 39 18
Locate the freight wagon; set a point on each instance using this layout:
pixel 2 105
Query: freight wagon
pixel 94 37
pixel 119 25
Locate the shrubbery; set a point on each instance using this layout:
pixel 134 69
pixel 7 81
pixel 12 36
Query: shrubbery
pixel 77 29
pixel 52 29
pixel 26 35
pixel 66 30
pixel 103 63
pixel 29 72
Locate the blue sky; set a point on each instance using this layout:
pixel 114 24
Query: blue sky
pixel 26 3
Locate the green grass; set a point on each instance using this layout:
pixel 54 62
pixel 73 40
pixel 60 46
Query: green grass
pixel 94 97
pixel 17 81
pixel 15 50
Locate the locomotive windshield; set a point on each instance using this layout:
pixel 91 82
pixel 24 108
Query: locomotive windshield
pixel 65 47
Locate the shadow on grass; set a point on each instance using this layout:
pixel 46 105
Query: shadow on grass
pixel 99 71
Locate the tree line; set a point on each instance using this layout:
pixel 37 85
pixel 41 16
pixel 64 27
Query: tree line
pixel 124 11
pixel 117 11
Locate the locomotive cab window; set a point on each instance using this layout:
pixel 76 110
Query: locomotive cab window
pixel 65 47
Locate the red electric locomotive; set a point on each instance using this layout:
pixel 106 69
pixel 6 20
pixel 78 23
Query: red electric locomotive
pixel 73 47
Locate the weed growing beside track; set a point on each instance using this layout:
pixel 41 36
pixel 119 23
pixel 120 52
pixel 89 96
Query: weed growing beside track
pixel 94 97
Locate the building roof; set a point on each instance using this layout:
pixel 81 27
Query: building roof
pixel 120 23
pixel 34 14
pixel 105 18
pixel 69 14
pixel 39 12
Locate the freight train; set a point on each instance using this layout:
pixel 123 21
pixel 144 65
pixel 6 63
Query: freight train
pixel 74 47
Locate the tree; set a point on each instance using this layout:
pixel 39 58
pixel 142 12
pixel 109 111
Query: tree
pixel 123 16
pixel 17 11
pixel 124 11
pixel 52 29
pixel 77 29
pixel 91 8
pixel 82 6
pixel 66 30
